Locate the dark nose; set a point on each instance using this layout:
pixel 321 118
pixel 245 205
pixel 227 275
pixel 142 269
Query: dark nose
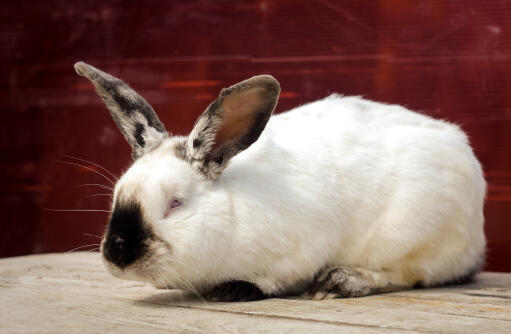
pixel 117 252
pixel 126 237
pixel 119 242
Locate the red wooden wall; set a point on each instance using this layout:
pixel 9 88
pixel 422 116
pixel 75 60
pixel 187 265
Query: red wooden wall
pixel 449 59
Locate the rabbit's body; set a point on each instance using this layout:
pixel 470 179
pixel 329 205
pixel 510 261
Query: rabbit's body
pixel 340 197
pixel 346 181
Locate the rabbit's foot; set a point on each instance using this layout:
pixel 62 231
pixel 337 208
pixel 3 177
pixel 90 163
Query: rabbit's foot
pixel 344 282
pixel 235 291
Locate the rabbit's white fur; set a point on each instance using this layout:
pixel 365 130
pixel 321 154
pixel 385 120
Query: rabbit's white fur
pixel 342 181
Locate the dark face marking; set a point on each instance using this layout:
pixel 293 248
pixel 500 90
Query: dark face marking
pixel 126 235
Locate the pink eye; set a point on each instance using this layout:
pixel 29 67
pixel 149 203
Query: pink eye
pixel 174 203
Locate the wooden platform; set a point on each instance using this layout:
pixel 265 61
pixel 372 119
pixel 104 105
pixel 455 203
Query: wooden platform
pixel 72 293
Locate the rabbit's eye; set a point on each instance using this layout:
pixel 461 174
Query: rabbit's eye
pixel 174 203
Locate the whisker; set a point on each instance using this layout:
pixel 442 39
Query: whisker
pixel 192 288
pixel 180 297
pixel 194 266
pixel 187 284
pixel 93 235
pixel 94 184
pixel 92 163
pixel 83 247
pixel 88 168
pixel 160 274
pixel 93 195
pixel 76 210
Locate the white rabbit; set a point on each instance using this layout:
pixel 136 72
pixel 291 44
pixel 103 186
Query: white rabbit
pixel 342 197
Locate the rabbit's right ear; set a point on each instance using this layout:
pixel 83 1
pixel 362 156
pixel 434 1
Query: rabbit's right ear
pixel 133 115
pixel 232 123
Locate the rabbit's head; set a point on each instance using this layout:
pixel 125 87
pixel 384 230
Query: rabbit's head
pixel 170 217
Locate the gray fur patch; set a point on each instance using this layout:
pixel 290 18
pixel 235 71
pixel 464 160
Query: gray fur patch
pixel 180 149
pixel 344 281
pixel 139 131
pixel 135 118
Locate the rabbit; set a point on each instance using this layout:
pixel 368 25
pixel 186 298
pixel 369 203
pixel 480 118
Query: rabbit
pixel 341 197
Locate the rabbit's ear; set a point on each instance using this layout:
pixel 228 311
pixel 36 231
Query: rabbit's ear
pixel 231 124
pixel 133 115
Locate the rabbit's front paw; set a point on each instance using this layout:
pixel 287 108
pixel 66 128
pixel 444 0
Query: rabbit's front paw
pixel 235 291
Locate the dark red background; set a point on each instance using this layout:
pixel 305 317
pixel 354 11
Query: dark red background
pixel 449 59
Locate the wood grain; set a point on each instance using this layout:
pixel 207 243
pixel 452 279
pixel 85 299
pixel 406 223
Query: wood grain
pixel 72 293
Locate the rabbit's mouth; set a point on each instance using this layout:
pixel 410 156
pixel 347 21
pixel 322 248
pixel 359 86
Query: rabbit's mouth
pixel 138 270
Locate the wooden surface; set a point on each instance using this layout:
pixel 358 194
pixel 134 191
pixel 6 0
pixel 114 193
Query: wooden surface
pixel 72 293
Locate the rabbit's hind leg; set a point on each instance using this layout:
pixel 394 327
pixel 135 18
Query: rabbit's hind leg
pixel 345 281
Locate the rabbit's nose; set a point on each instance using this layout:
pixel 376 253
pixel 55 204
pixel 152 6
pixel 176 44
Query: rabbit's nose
pixel 117 251
pixel 119 242
pixel 126 237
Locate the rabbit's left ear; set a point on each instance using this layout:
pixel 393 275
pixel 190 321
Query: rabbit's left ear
pixel 232 123
pixel 133 115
